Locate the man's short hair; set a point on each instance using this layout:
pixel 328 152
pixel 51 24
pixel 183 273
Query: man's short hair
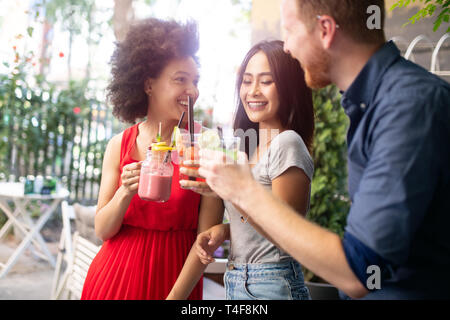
pixel 350 15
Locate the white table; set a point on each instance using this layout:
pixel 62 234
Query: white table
pixel 20 219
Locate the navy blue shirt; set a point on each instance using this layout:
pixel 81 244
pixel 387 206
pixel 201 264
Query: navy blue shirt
pixel 399 177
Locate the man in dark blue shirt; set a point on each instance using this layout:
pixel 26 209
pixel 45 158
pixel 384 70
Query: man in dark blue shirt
pixel 396 243
pixel 399 175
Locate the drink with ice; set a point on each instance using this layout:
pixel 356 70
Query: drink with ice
pixel 188 154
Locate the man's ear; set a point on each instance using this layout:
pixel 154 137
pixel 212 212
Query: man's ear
pixel 148 86
pixel 327 29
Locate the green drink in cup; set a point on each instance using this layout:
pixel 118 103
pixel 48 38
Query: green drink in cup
pixel 188 152
pixel 228 145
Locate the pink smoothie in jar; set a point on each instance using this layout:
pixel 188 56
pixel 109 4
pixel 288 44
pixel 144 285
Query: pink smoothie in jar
pixel 155 181
pixel 154 187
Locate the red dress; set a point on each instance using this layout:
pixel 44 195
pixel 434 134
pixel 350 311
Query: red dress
pixel 144 259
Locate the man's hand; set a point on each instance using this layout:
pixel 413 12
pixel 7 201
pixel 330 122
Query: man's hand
pixel 230 180
pixel 208 241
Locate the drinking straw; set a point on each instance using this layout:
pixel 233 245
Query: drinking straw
pixel 191 119
pixel 222 142
pixel 158 135
pixel 191 124
pixel 179 124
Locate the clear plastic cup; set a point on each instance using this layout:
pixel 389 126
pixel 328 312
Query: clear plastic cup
pixel 188 155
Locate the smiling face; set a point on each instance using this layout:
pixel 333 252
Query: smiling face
pixel 304 45
pixel 168 93
pixel 258 92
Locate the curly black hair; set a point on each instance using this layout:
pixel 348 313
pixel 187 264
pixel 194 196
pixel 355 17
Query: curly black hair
pixel 148 47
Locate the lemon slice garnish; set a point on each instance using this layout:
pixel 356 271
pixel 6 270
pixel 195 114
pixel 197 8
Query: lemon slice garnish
pixel 209 139
pixel 177 136
pixel 162 148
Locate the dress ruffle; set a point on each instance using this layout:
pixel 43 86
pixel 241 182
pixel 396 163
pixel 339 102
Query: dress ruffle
pixel 141 267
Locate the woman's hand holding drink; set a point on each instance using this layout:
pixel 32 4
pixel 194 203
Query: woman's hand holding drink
pixel 130 177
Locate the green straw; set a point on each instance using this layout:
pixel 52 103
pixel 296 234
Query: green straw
pixel 158 135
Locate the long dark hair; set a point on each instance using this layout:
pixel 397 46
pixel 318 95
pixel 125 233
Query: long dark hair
pixel 296 106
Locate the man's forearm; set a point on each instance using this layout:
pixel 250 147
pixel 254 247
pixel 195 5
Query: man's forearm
pixel 316 248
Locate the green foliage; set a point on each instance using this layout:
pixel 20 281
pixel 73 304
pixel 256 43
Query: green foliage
pixel 80 18
pixel 329 196
pixel 70 13
pixel 152 2
pixel 38 119
pixel 204 116
pixel 428 9
pixel 13 87
pixel 246 9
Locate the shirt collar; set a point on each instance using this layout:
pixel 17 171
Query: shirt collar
pixel 363 87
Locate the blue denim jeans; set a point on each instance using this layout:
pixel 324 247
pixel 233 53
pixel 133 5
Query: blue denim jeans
pixel 266 281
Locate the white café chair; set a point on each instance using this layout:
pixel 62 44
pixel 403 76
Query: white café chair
pixel 84 252
pixel 73 260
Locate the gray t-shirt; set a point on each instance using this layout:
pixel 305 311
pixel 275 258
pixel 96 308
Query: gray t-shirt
pixel 247 245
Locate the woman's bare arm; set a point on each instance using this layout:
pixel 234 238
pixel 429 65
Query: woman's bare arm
pixel 113 201
pixel 211 213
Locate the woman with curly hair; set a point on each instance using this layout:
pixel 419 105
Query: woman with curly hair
pixel 146 243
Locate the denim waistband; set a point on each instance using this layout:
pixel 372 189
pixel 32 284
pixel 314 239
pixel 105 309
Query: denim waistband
pixel 282 267
pixel 262 266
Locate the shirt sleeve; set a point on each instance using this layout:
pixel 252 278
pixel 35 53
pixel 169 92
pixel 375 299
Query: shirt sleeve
pixel 360 257
pixel 288 150
pixel 398 183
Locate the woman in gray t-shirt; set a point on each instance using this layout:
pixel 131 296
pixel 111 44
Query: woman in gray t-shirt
pixel 276 103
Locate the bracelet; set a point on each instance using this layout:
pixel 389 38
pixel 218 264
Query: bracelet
pixel 244 220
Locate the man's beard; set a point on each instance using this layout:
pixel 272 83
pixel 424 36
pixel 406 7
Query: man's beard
pixel 316 70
